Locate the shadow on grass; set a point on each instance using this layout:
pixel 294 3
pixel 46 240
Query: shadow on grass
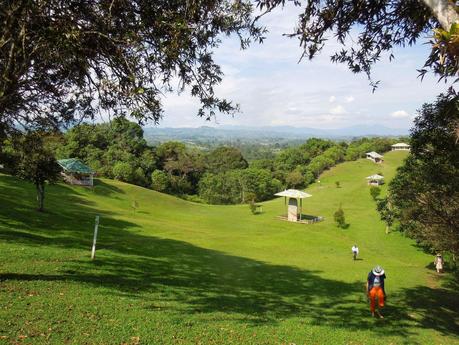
pixel 308 216
pixel 434 308
pixel 207 281
pixel 105 189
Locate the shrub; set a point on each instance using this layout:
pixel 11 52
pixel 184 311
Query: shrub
pixel 295 179
pixel 159 181
pixel 253 206
pixel 123 171
pixel 339 218
pixel 375 192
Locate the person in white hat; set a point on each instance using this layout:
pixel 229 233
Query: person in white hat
pixel 375 290
pixel 355 251
pixel 439 263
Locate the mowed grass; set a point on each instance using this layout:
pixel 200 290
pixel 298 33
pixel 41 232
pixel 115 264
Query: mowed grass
pixel 176 272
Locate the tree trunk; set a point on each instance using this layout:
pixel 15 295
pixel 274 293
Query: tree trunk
pixel 444 11
pixel 40 196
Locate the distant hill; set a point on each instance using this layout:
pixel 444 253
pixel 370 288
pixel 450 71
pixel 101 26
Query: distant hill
pixel 228 133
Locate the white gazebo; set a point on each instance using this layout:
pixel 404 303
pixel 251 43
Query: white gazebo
pixel 401 147
pixel 374 156
pixel 293 196
pixel 375 180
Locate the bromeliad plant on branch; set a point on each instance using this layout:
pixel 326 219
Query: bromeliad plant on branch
pixel 444 57
pixel 62 61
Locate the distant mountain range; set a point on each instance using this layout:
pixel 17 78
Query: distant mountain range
pixel 267 132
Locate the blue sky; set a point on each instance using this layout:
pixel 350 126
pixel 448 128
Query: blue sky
pixel 273 89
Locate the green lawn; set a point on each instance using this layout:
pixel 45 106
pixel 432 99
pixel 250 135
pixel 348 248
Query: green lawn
pixel 176 272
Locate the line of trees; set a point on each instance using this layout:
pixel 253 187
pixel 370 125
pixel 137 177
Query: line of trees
pixel 423 198
pixel 118 150
pixel 221 176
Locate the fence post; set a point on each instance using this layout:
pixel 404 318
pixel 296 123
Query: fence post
pixel 96 227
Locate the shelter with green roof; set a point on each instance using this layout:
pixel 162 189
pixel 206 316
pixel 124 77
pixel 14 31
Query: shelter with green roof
pixel 76 172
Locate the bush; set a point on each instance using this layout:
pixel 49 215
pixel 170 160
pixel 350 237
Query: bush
pixel 337 184
pixel 223 188
pixel 193 198
pixel 375 192
pixel 139 177
pixel 159 181
pixel 123 171
pixel 253 206
pixel 339 218
pixel 250 197
pixel 295 179
pixel 135 205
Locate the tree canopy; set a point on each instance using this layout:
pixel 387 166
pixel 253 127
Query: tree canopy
pixel 61 61
pixel 34 161
pixel 225 158
pixel 65 61
pixel 424 195
pixel 366 29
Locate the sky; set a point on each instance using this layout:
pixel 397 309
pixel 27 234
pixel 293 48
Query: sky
pixel 273 89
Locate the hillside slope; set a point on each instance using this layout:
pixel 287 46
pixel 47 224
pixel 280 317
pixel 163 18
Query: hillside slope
pixel 180 272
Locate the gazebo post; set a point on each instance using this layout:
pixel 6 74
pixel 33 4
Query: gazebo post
pixel 286 207
pixel 301 208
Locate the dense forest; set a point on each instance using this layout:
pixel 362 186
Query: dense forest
pixel 223 175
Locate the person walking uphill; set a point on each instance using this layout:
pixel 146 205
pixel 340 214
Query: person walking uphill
pixel 355 251
pixel 375 290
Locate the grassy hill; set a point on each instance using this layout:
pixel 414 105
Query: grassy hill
pixel 175 272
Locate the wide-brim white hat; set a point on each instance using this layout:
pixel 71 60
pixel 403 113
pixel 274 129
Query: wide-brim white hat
pixel 378 271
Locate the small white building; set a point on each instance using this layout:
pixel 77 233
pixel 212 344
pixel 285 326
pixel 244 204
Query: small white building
pixel 375 180
pixel 375 157
pixel 401 147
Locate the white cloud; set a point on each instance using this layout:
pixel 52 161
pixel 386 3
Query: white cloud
pixel 339 109
pixel 400 114
pixel 273 88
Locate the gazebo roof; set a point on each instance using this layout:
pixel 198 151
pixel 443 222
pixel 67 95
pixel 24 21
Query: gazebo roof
pixel 400 145
pixel 294 193
pixel 74 165
pixel 375 177
pixel 374 154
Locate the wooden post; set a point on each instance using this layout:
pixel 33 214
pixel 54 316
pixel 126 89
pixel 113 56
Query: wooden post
pixel 301 208
pixel 96 227
pixel 286 207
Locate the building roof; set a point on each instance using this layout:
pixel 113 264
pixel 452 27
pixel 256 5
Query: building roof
pixel 293 193
pixel 375 177
pixel 374 154
pixel 74 165
pixel 400 145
